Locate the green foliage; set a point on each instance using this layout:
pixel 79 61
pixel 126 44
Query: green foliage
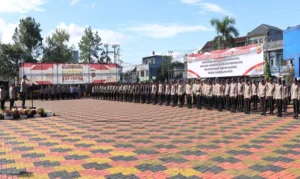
pixel 10 58
pixel 57 50
pixel 226 32
pixel 267 69
pixel 89 46
pixel 28 37
pixel 289 78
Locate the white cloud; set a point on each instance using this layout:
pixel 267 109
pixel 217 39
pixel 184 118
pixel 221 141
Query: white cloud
pixel 76 32
pixel 73 2
pixel 21 6
pixel 92 5
pixel 210 7
pixel 166 31
pixel 6 31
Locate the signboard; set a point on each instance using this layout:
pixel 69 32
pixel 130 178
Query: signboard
pixel 239 61
pixel 51 73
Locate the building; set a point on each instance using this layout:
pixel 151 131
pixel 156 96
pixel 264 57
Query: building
pixel 291 48
pixel 148 69
pixel 238 42
pixel 75 56
pixel 272 37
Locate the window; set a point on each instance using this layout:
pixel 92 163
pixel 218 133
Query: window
pixel 255 41
pixel 153 61
pixel 147 72
pixel 272 62
pixel 142 73
pixel 250 41
pixel 261 40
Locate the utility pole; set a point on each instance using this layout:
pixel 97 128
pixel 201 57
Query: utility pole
pixel 114 46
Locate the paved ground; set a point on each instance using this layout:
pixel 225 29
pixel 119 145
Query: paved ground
pixel 102 139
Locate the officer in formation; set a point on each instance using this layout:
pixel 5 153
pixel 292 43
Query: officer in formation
pixel 57 92
pixel 230 94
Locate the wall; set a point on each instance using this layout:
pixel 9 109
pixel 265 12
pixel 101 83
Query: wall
pixel 291 47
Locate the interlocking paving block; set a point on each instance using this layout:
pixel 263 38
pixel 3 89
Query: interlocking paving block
pixel 284 152
pixel 262 168
pixel 175 160
pixel 247 146
pixel 153 168
pixel 160 146
pixel 197 153
pixel 223 160
pixel 212 169
pixel 60 150
pixel 4 161
pixel 84 145
pixel 247 177
pixel 90 136
pixel 179 176
pixel 48 144
pixel 207 146
pixel 70 140
pixel 121 176
pixel 96 166
pixel 144 151
pixel 64 174
pixel 278 159
pixel 105 141
pixel 101 151
pixel 12 171
pixel 14 142
pixel 75 157
pixel 46 164
pixel 23 148
pixel 59 135
pixel 292 146
pixel 33 155
pixel 144 141
pixel 123 158
pixel 182 141
pixel 124 145
pixel 239 152
pixel 221 141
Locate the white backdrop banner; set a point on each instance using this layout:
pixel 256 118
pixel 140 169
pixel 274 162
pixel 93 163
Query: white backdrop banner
pixel 239 61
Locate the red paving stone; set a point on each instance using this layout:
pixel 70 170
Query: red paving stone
pixel 104 139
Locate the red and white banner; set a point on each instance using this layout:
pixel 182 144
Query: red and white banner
pixel 52 73
pixel 239 61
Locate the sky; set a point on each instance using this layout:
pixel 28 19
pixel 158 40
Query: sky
pixel 143 26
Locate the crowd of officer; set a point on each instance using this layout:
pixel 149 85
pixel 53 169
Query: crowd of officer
pixel 231 94
pixel 58 92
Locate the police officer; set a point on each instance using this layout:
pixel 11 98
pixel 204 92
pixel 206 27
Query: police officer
pixel 285 97
pixel 160 93
pixel 247 96
pixel 254 94
pixel 167 93
pixel 278 95
pixel 188 92
pixel 233 95
pixel 194 89
pixel 173 93
pixel 42 94
pixel 270 96
pixel 262 90
pixel 209 94
pixel 198 94
pixel 180 93
pixel 240 94
pixel 294 97
pixel 220 94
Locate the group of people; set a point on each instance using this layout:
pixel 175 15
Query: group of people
pixel 60 92
pixel 230 94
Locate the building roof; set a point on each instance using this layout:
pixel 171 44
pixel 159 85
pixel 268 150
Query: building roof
pixel 209 44
pixel 262 29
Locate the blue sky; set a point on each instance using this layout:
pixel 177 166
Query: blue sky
pixel 143 26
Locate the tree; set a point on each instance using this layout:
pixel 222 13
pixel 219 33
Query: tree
pixel 89 46
pixel 267 69
pixel 226 32
pixel 166 67
pixel 57 50
pixel 28 37
pixel 10 58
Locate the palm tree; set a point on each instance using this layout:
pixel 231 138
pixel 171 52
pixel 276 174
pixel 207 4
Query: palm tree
pixel 226 32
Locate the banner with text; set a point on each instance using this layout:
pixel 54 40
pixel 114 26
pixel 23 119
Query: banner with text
pixel 239 61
